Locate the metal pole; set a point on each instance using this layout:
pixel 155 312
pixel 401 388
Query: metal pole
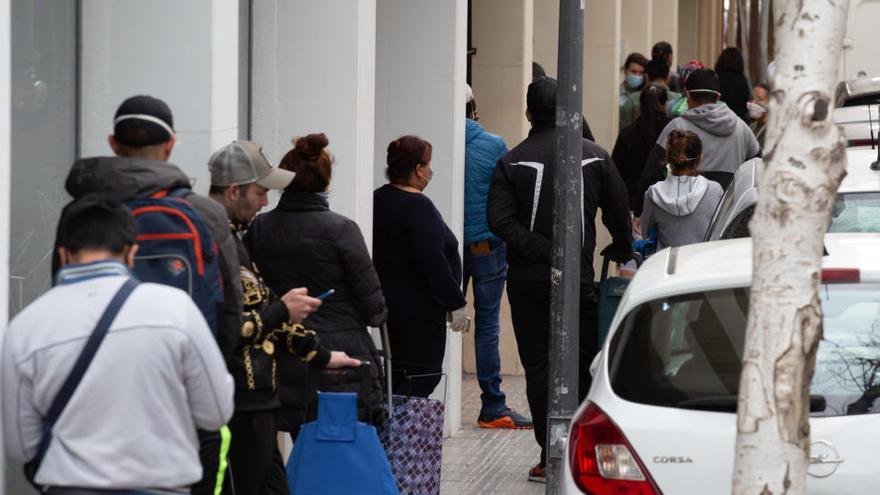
pixel 565 274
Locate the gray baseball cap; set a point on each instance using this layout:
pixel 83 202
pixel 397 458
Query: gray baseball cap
pixel 244 162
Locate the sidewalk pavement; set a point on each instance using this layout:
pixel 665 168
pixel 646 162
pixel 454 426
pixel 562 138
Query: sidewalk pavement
pixel 488 461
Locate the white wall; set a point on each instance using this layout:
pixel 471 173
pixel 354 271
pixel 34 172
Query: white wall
pixel 314 71
pixel 185 53
pixel 860 53
pixel 420 76
pixel 5 132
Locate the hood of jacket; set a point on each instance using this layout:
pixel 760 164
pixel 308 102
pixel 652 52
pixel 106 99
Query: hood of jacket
pixel 679 195
pixel 121 178
pixel 715 118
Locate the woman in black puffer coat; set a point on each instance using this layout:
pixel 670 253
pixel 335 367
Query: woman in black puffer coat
pixel 301 243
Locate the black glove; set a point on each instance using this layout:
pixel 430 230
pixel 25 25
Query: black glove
pixel 617 254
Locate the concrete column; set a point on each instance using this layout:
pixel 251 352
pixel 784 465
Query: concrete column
pixel 709 30
pixel 601 61
pixel 546 35
pixel 313 70
pixel 636 27
pixel 502 67
pixel 664 21
pixel 420 77
pixel 5 174
pixel 687 38
pixel 185 53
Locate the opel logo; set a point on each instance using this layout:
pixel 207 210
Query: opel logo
pixel 824 459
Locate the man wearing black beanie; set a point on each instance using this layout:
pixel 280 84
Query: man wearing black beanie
pixel 520 212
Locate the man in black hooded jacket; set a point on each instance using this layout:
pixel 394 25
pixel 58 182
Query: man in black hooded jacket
pixel 143 137
pixel 520 211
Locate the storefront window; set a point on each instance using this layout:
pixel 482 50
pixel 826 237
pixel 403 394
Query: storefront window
pixel 44 136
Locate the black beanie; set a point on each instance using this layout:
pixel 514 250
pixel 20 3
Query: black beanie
pixel 541 101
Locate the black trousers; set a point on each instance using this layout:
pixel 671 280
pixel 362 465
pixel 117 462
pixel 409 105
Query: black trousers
pixel 255 461
pixel 530 311
pixel 209 454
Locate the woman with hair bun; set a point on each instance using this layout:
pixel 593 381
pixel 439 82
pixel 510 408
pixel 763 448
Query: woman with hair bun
pixel 416 255
pixel 680 208
pixel 301 243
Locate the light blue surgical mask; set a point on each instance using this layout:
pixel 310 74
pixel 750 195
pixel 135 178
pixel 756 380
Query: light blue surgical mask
pixel 634 81
pixel 325 195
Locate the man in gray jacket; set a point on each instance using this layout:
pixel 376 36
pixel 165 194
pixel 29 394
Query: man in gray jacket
pixel 727 140
pixel 131 422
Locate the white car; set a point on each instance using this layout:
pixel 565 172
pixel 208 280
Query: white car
pixel 661 413
pixel 857 208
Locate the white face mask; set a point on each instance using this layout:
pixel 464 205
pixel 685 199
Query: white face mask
pixel 756 110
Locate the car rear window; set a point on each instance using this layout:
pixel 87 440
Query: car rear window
pixel 686 351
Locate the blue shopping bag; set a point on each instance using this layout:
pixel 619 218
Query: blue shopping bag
pixel 337 454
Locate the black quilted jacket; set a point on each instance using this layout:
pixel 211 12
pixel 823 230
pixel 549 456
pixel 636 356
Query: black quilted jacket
pixel 303 244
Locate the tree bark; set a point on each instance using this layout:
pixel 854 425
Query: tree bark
pixel 805 162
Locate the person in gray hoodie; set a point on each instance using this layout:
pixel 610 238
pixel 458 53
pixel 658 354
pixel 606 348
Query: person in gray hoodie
pixel 727 140
pixel 678 209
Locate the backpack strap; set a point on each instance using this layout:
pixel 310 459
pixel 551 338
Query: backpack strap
pixel 77 372
pixel 179 192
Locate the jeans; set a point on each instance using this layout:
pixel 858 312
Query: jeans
pixel 489 271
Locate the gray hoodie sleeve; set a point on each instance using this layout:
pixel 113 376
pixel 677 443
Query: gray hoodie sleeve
pixel 209 386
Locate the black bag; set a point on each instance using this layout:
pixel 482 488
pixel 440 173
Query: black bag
pixel 76 374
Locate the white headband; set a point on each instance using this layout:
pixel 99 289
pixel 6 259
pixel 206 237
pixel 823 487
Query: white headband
pixel 148 118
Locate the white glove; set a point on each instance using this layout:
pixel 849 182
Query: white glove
pixel 458 319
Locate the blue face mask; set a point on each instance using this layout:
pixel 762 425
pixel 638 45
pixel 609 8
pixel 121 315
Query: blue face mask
pixel 634 81
pixel 325 195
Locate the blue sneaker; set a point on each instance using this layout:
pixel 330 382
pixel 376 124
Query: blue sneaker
pixel 508 419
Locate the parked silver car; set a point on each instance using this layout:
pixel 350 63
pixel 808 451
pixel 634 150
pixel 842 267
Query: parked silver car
pixel 857 208
pixel 854 99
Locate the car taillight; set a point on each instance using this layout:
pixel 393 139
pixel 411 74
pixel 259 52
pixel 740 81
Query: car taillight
pixel 602 460
pixel 831 275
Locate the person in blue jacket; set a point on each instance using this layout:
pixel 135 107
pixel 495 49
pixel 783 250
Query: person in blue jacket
pixel 485 262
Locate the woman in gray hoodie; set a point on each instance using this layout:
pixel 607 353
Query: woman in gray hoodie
pixel 680 207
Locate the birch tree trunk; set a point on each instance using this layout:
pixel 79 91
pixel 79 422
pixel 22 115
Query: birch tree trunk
pixel 805 161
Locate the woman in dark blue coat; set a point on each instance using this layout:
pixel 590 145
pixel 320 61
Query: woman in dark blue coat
pixel 417 258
